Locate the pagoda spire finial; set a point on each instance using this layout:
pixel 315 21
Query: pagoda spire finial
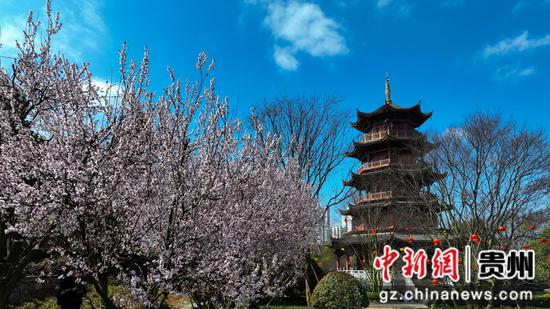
pixel 388 90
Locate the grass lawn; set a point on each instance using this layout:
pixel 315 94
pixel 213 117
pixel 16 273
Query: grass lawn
pixel 283 307
pixel 93 300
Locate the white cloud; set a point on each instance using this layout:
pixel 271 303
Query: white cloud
pixel 396 7
pixel 519 43
pixel 83 26
pixel 348 3
pixel 103 86
pixel 382 3
pixel 285 59
pixel 302 27
pixel 11 32
pixel 108 92
pixel 513 72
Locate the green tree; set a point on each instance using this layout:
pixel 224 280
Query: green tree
pixel 542 257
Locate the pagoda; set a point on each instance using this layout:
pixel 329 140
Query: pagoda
pixel 392 204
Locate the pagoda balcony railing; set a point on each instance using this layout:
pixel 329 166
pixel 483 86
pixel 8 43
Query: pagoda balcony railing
pixel 382 163
pixel 372 165
pixel 374 136
pixel 369 197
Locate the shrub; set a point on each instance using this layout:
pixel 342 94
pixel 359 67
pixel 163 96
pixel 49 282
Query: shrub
pixel 338 290
pixel 540 300
pixel 373 295
pixel 365 291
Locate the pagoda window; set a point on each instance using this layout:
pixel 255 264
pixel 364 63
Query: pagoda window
pixel 377 127
pixel 368 188
pixel 377 156
pixel 403 126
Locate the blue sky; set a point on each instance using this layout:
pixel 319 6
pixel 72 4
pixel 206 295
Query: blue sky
pixel 457 56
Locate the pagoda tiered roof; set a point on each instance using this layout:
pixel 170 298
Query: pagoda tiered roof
pixel 417 143
pixel 390 111
pixel 387 199
pixel 356 238
pixel 422 173
pixel 354 209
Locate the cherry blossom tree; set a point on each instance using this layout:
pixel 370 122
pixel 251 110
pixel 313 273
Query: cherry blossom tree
pixel 164 193
pixel 31 194
pixel 228 224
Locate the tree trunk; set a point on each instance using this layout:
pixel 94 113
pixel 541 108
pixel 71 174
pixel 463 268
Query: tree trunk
pixel 309 293
pixel 10 282
pixel 5 292
pixel 101 286
pixel 313 274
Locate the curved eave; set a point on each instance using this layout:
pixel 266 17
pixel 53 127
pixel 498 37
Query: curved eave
pixel 391 111
pixel 360 207
pixel 361 149
pixel 354 208
pixel 419 144
pixel 423 173
pixel 355 239
pixel 390 229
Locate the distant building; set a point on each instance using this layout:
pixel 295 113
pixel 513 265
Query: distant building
pixel 324 231
pixel 347 225
pixel 336 231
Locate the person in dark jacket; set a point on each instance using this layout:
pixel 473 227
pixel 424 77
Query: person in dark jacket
pixel 69 291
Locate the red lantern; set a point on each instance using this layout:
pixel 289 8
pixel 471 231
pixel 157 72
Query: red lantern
pixel 474 238
pixel 428 262
pixel 526 246
pixel 459 261
pixel 373 252
pixel 533 227
pixel 410 239
pixel 501 228
pixel 436 242
pixel 435 282
pixel 543 241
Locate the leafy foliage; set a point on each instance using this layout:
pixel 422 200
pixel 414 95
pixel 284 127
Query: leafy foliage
pixel 338 290
pixel 542 257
